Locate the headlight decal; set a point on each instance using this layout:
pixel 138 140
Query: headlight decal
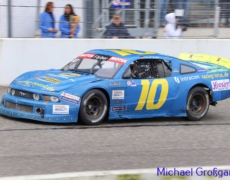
pixel 36 97
pixel 51 98
pixel 9 90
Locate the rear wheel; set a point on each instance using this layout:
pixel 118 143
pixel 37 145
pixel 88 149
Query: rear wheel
pixel 94 106
pixel 197 104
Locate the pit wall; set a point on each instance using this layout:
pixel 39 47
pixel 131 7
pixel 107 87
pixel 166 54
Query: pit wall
pixel 21 55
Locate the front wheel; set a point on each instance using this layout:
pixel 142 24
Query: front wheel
pixel 94 106
pixel 197 104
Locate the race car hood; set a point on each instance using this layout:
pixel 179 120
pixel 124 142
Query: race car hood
pixel 53 80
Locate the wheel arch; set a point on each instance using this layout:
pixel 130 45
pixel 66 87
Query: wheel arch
pixel 105 92
pixel 100 89
pixel 208 89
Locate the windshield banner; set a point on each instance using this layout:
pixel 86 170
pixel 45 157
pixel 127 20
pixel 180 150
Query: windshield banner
pixel 103 58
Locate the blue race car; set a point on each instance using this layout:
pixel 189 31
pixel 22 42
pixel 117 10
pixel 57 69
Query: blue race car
pixel 120 84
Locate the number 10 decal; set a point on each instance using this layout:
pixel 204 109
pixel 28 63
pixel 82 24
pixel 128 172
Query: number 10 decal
pixel 150 94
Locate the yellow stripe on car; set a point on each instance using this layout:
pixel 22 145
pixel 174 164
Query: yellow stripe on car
pixel 206 58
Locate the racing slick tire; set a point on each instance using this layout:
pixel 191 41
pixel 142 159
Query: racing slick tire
pixel 94 107
pixel 197 104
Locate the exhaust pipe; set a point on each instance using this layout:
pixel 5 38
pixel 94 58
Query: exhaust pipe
pixel 39 110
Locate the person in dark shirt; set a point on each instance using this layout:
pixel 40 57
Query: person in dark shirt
pixel 117 29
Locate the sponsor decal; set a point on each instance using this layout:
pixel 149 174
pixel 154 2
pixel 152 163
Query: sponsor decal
pixel 48 79
pixel 94 56
pixel 52 80
pixel 119 108
pixel 115 83
pixel 118 94
pixel 131 83
pixel 67 75
pixel 189 78
pixel 220 85
pixel 177 80
pixel 60 109
pixel 215 75
pixel 86 55
pixel 29 84
pixel 117 60
pixel 101 57
pixel 70 98
pixel 175 70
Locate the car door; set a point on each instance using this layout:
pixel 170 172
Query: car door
pixel 151 90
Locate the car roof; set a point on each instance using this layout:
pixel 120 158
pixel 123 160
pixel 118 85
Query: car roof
pixel 128 54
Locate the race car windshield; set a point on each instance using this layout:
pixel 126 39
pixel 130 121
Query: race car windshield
pixel 102 69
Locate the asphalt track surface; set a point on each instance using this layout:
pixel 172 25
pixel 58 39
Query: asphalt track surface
pixel 31 148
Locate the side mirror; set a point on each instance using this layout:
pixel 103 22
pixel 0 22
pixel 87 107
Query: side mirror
pixel 127 74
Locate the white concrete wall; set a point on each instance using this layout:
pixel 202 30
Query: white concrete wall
pixel 21 55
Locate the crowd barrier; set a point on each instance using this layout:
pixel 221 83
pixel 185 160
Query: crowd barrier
pixel 21 55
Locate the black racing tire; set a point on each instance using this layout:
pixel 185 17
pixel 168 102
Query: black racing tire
pixel 94 107
pixel 197 104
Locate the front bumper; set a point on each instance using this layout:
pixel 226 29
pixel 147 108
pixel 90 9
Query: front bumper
pixel 47 107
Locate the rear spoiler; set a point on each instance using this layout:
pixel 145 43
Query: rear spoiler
pixel 206 58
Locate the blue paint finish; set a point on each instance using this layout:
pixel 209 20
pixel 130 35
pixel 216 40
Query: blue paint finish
pixel 56 82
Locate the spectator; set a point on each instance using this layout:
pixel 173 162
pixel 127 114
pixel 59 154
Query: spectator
pixel 69 23
pixel 117 29
pixel 225 11
pixel 171 31
pixel 163 11
pixel 47 22
pixel 182 4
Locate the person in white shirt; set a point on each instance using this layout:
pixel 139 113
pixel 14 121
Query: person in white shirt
pixel 171 30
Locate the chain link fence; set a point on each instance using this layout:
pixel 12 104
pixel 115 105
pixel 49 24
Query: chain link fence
pixel 141 18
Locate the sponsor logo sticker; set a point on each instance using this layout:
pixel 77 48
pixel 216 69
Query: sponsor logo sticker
pixel 177 80
pixel 118 94
pixel 119 108
pixel 117 60
pixel 101 57
pixel 70 98
pixel 60 109
pixel 216 75
pixel 48 79
pixel 86 55
pixel 67 75
pixel 30 84
pixel 189 78
pixel 115 83
pixel 175 70
pixel 220 85
pixel 131 83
